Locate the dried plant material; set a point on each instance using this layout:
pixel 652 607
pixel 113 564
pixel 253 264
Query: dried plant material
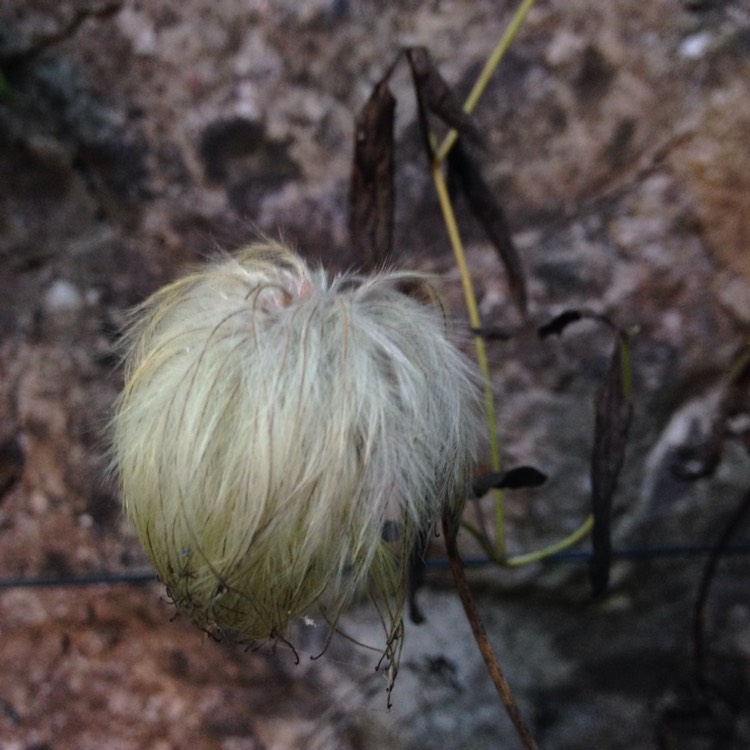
pixel 275 425
pixel 436 95
pixel 559 323
pixel 494 333
pixel 513 479
pixel 450 530
pixel 371 194
pixel 487 210
pixel 613 415
pixel 614 412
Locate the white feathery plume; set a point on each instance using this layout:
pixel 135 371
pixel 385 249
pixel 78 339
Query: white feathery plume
pixel 272 423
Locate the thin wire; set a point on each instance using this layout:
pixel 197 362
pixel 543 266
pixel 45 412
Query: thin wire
pixel 637 554
pixel 138 577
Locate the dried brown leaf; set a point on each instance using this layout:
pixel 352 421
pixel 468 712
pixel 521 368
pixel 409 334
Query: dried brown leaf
pixel 614 412
pixel 371 194
pixel 559 323
pixel 494 333
pixel 437 96
pixel 484 206
pixel 513 479
pixel 613 415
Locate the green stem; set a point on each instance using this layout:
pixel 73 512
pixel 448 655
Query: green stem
pixel 476 323
pixel 487 72
pixel 563 544
pixel 482 540
pixel 529 557
pixel 450 221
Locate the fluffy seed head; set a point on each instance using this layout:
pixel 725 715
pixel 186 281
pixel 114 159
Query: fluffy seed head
pixel 273 424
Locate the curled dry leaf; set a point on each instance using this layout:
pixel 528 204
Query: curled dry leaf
pixel 613 415
pixel 371 194
pixel 513 479
pixel 465 176
pixel 559 323
pixel 614 412
pixel 494 333
pixel 437 96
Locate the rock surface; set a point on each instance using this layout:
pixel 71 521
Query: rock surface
pixel 138 138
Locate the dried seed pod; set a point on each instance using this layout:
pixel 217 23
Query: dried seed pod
pixel 273 423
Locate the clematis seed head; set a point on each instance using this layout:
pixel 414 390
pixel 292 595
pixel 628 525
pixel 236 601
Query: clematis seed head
pixel 275 423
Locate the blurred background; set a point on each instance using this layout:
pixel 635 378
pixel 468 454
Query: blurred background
pixel 138 138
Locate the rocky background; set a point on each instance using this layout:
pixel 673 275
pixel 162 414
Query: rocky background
pixel 137 138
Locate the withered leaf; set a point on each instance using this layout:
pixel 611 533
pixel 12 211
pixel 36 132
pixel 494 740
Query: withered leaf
pixel 436 95
pixel 560 322
pixel 494 333
pixel 614 412
pixel 371 192
pixel 465 175
pixel 613 415
pixel 513 479
pixel 422 114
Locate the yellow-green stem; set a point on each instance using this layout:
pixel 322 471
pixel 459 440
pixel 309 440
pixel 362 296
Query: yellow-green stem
pixel 553 549
pixel 482 540
pixel 530 557
pixel 489 68
pixel 476 323
pixel 445 204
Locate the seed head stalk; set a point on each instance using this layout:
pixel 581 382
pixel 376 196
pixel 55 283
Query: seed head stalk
pixel 458 251
pixel 481 350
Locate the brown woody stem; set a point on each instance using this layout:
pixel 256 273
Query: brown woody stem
pixel 450 529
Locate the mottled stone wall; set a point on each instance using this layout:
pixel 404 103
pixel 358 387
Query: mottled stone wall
pixel 137 138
